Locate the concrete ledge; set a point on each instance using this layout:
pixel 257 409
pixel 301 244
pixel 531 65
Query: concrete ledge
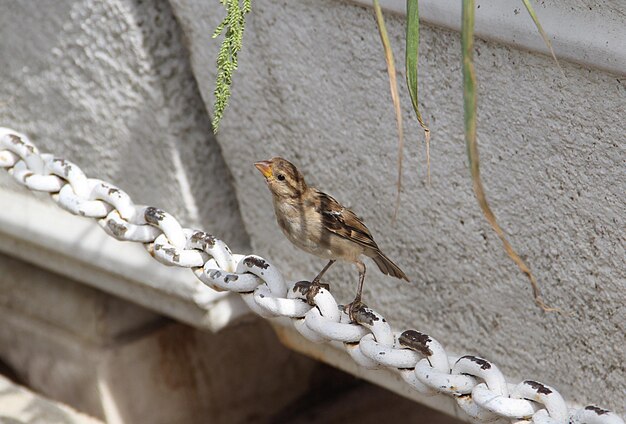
pixel 592 36
pixel 39 232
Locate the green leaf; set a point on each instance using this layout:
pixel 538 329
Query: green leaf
pixel 395 97
pixel 546 40
pixel 469 106
pixel 411 59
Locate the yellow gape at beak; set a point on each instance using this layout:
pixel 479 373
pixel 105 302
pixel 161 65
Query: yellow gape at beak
pixel 265 167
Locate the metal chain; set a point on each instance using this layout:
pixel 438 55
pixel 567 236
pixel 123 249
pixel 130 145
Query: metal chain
pixel 476 384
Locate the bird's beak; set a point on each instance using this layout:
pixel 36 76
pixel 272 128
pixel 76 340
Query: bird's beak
pixel 265 167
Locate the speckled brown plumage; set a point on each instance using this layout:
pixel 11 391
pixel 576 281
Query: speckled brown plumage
pixel 316 223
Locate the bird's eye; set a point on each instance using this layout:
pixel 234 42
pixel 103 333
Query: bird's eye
pixel 280 177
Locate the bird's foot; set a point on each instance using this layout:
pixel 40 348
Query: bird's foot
pixel 317 284
pixel 310 289
pixel 354 309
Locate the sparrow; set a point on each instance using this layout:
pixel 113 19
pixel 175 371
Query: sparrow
pixel 318 224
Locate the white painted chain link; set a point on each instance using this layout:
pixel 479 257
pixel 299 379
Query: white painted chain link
pixel 478 386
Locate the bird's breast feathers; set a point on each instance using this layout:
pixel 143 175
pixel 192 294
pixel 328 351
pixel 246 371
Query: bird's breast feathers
pixel 302 225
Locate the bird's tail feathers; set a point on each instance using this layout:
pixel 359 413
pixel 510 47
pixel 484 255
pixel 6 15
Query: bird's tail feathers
pixel 386 266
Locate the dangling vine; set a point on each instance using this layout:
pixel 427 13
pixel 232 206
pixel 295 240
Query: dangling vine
pixel 233 23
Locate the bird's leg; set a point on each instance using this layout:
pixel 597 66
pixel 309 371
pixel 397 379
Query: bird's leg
pixel 361 267
pixel 314 287
pixel 356 303
pixel 317 279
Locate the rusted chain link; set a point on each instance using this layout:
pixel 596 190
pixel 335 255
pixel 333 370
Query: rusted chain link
pixel 477 385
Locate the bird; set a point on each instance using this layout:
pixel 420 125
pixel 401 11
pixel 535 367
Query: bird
pixel 318 224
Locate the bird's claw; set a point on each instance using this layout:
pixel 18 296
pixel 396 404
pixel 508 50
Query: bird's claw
pixel 354 308
pixel 319 285
pixel 317 282
pixel 311 289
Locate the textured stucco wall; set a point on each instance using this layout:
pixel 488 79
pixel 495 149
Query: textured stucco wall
pixel 312 87
pixel 107 85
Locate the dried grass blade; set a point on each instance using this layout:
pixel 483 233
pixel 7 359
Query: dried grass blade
pixel 546 40
pixel 395 97
pixel 411 60
pixel 469 106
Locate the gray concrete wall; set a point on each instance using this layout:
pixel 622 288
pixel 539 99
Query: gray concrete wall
pixel 312 87
pixel 108 85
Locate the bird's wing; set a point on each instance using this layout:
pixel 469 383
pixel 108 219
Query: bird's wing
pixel 342 221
